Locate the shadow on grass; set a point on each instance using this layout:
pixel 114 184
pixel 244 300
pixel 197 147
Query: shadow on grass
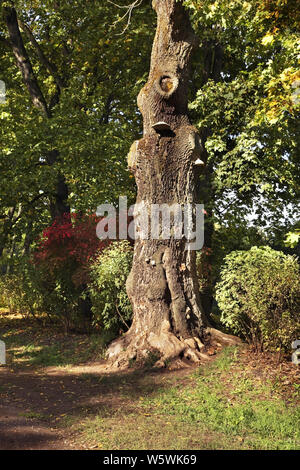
pixel 29 343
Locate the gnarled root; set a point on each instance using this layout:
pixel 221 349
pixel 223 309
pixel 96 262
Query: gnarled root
pixel 219 339
pixel 165 348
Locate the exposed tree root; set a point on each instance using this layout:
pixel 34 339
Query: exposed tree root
pixel 218 338
pixel 161 349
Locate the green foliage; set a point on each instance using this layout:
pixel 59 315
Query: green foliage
pixel 292 238
pixel 245 95
pixel 41 343
pixel 235 234
pixel 35 290
pixel 25 290
pixel 259 296
pixel 111 306
pixel 94 120
pixel 59 297
pixel 12 295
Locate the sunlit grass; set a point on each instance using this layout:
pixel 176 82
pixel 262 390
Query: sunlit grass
pixel 29 343
pixel 235 406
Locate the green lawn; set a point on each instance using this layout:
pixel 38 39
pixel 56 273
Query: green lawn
pixel 218 407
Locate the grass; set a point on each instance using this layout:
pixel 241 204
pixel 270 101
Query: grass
pixel 232 405
pixel 32 415
pixel 30 344
pixel 220 407
pixel 143 433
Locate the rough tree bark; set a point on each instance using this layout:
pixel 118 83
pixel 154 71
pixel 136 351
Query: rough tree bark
pixel 162 286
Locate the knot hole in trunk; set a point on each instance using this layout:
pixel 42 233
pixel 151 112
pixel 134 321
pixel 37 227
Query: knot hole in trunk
pixel 166 84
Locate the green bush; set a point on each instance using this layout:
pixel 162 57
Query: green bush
pixel 53 279
pixel 259 297
pixel 56 295
pixel 35 289
pixel 19 290
pixel 111 306
pixel 11 293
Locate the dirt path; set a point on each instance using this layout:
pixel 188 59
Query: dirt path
pixel 35 403
pixel 19 433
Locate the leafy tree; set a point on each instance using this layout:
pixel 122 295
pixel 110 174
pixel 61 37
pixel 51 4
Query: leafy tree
pixel 71 126
pixel 245 88
pixel 162 286
pixel 85 117
pixel 249 105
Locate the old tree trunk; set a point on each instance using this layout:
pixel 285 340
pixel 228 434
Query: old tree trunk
pixel 168 318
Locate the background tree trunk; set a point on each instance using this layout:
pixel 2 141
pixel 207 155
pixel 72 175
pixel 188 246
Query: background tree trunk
pixel 162 286
pixel 59 200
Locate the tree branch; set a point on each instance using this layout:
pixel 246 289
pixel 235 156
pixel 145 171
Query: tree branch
pixel 129 9
pixel 43 59
pixel 23 61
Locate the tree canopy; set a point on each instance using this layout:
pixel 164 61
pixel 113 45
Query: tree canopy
pixel 89 65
